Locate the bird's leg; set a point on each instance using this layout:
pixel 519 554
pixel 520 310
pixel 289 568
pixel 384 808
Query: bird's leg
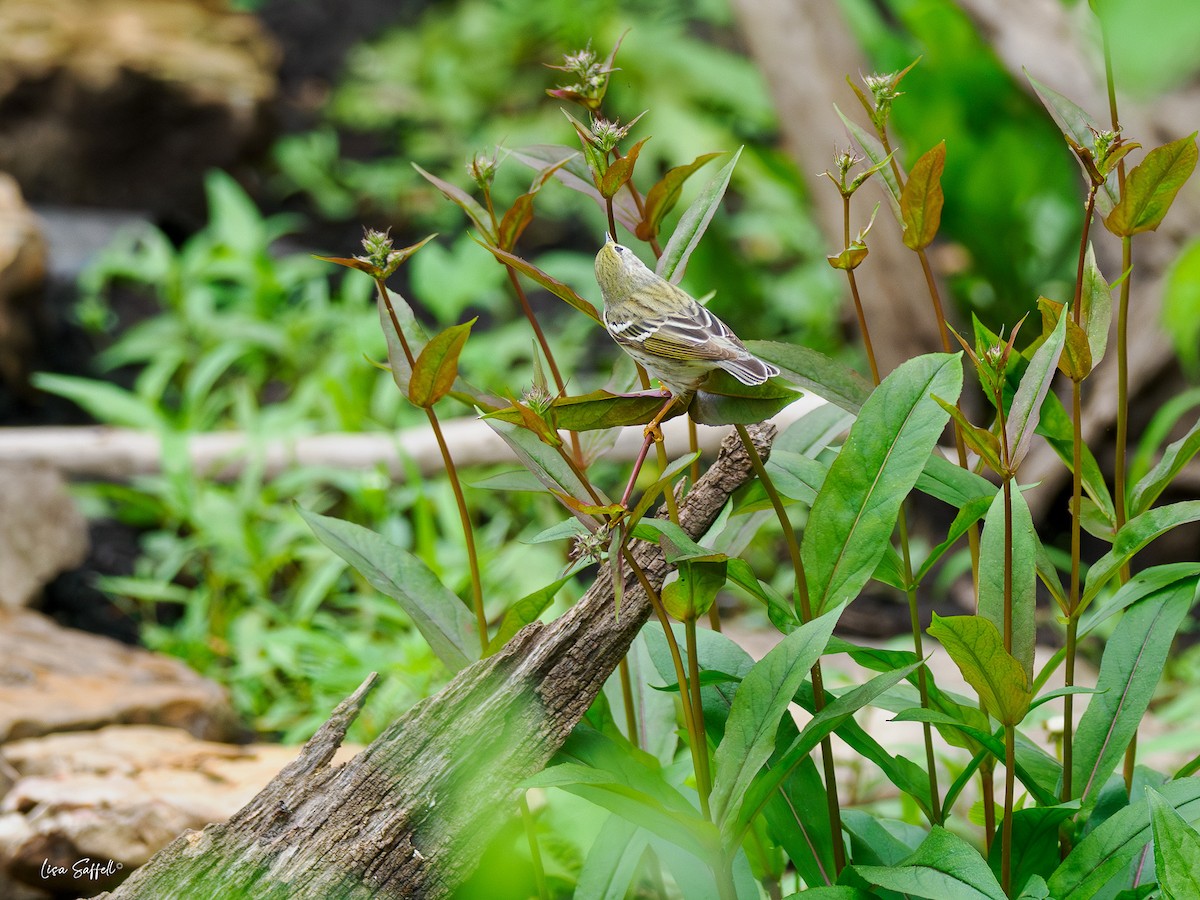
pixel 653 433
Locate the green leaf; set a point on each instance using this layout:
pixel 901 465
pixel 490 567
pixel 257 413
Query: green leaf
pixel 1137 533
pixel 1025 411
pixel 553 285
pixel 613 860
pixel 695 590
pixel 1110 848
pixel 436 368
pixel 921 199
pixel 526 610
pixel 977 648
pixel 106 402
pixel 693 223
pixel 1176 850
pixel 1024 576
pixel 1151 186
pixel 795 475
pixel 723 400
pixel 982 441
pixel 441 617
pixel 1095 307
pixel 1129 672
pixel 410 328
pixel 1177 455
pixel 540 459
pixel 1142 584
pixel 824 723
pixel 1034 843
pixel 464 201
pixel 852 519
pixel 944 866
pixel 661 198
pixel 759 704
pixel 1081 128
pixel 621 170
pixel 831 892
pixel 1181 306
pixel 951 483
pixel 590 412
pixel 813 371
pixel 972 511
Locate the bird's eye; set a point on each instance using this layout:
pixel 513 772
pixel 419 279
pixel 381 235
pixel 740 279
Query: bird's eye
pixel 618 248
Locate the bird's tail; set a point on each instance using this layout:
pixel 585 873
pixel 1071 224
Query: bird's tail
pixel 749 369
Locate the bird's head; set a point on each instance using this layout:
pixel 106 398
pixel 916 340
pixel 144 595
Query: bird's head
pixel 618 270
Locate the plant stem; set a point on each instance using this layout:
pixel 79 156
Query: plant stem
pixel 818 682
pixel 696 737
pixel 631 722
pixel 452 473
pixel 1076 504
pixel 693 654
pixel 914 612
pixel 535 853
pixel 1010 765
pixel 1122 360
pixel 987 780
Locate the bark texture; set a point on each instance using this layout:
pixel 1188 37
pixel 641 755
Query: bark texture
pixel 411 814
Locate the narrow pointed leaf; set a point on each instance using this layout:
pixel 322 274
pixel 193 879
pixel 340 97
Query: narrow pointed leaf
pixel 663 196
pixel 589 412
pixel 528 609
pixel 921 200
pixel 1176 850
pixel 1151 187
pixel 823 724
pixel 621 170
pixel 852 519
pixel 1129 672
pixel 693 223
pixel 1137 533
pixel 944 866
pixel 413 333
pixel 1141 584
pixel 441 617
pixel 436 368
pixel 1174 458
pixel 723 400
pixel 1096 308
pixel 1076 124
pixel 816 372
pixel 1035 383
pixel 464 201
pixel 1024 576
pixel 553 285
pixel 1113 845
pixel 759 704
pixel 977 648
pixel 970 513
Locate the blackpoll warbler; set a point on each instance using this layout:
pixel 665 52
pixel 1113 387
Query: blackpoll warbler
pixel 677 340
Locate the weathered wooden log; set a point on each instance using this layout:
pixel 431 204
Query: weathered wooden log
pixel 411 814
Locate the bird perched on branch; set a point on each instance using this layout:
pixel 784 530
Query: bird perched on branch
pixel 675 339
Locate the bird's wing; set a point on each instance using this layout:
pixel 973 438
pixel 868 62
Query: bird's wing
pixel 692 334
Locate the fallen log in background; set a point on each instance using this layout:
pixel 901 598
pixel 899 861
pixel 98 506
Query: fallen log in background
pixel 411 815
